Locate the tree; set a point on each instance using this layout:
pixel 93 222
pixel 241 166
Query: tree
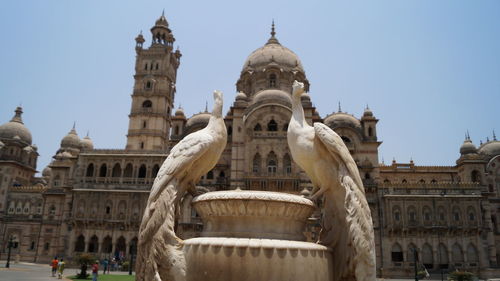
pixel 461 276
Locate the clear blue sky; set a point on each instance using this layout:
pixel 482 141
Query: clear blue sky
pixel 429 70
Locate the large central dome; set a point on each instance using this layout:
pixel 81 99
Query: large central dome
pixel 272 53
pixel 272 66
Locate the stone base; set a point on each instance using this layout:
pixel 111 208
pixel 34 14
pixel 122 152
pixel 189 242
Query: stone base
pixel 247 259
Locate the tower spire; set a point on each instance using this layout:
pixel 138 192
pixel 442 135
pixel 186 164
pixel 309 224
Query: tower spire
pixel 272 29
pixel 494 136
pixel 340 108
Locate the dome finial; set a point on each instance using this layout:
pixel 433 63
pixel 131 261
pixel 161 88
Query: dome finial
pixel 272 29
pixel 273 39
pixel 206 106
pixel 17 117
pixel 494 136
pixel 340 108
pixel 163 12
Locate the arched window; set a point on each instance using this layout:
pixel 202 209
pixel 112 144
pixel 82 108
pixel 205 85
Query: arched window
pixel 229 130
pixel 272 126
pixel 387 181
pixel 156 168
pixel 117 170
pixel 122 207
pixel 367 176
pixel 127 173
pixel 472 255
pixel 142 172
pixel 457 255
pixel 146 66
pixel 427 258
pixel 176 130
pixel 442 213
pixel 157 66
pixel 257 127
pixel 410 255
pixel 370 131
pixel 109 206
pixel 475 176
pixel 148 85
pixel 421 181
pixel 256 163
pixel 433 181
pixel 93 245
pixel 443 256
pixel 120 245
pixel 80 243
pixel 272 80
pixel 144 124
pixel 147 104
pixel 103 170
pixel 210 175
pixel 52 210
pixel 272 162
pixel 107 245
pixel 222 174
pixel 404 181
pixel 396 253
pixel 287 164
pixel 90 170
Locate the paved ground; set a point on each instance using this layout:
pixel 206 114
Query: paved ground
pixel 30 271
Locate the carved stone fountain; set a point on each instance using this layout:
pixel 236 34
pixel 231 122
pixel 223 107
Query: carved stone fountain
pixel 255 235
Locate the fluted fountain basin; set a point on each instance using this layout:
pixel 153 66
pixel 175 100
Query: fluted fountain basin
pixel 253 214
pixel 250 259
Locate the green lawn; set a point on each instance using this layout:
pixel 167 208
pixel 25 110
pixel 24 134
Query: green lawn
pixel 108 277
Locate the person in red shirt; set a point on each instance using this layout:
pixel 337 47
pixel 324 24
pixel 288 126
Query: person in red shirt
pixel 54 263
pixel 95 270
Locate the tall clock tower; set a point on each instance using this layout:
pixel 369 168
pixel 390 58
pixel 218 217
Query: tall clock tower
pixel 154 89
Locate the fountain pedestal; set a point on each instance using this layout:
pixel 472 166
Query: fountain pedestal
pixel 253 236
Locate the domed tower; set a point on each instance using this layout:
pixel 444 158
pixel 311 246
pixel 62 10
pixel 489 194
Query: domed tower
pixel 154 89
pixel 272 66
pixel 18 156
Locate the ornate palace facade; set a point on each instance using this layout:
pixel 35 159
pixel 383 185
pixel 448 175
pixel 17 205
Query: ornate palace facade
pixel 91 200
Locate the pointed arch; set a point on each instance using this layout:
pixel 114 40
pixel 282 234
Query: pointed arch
pixel 156 168
pixel 80 243
pixel 272 126
pixel 142 171
pixel 129 169
pixel 90 170
pixel 457 255
pixel 121 245
pixel 443 255
pixel 410 254
pixel 257 127
pixel 93 244
pixel 117 170
pixel 472 255
pixel 107 245
pixel 427 257
pixel 397 253
pixel 103 170
pixel 272 162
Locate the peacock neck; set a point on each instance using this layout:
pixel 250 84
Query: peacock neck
pixel 298 111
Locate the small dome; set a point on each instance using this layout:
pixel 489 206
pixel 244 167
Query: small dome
pixel 140 38
pixel 162 21
pixel 71 140
pixel 87 143
pixel 490 148
pixel 198 119
pixel 342 119
pixel 241 96
pixel 305 192
pixel 15 129
pixel 467 147
pixel 47 172
pixel 368 112
pixel 272 95
pixel 29 149
pixel 179 112
pixel 305 97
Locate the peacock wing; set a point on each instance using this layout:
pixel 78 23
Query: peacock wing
pixel 361 258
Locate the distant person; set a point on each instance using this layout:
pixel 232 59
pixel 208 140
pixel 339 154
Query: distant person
pixel 54 264
pixel 60 268
pixel 95 270
pixel 105 264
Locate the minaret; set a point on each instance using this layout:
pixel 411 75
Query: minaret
pixel 154 89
